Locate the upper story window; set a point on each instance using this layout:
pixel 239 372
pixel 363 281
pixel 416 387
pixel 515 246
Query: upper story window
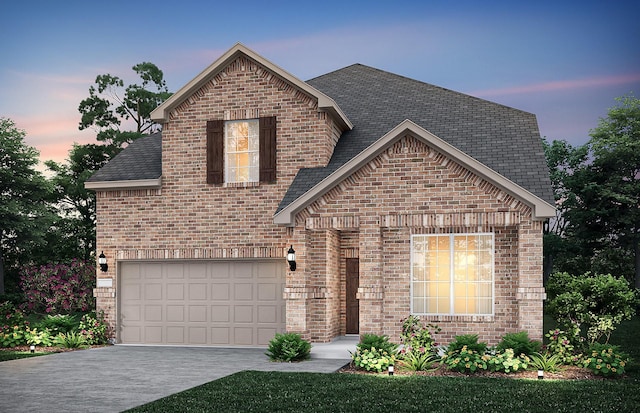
pixel 240 151
pixel 452 274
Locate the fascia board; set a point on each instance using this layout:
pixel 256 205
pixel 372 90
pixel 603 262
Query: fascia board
pixel 541 209
pixel 132 184
pixel 161 113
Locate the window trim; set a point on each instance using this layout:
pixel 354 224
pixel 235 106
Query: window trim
pixel 451 311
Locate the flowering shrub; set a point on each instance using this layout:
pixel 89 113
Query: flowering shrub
pixel 560 345
pixel 93 328
pixel 373 359
pixel 606 360
pixel 466 360
pixel 415 335
pixel 12 325
pixel 506 361
pixel 59 288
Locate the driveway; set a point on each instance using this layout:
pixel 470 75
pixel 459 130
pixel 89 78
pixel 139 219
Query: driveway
pixel 116 378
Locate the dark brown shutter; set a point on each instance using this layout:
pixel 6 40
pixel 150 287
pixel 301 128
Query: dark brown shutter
pixel 268 149
pixel 215 152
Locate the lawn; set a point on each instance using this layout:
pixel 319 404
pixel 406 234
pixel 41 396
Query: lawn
pixel 252 391
pixel 18 354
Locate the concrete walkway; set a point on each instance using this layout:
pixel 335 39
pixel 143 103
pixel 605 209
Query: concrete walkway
pixel 116 378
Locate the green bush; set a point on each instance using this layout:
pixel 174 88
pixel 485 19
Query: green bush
pixel 560 345
pixel 606 360
pixel 369 341
pixel 417 360
pixel 470 341
pixel 59 323
pixel 71 339
pixel 416 335
pixel 12 326
pixel 466 360
pixel 591 305
pixel 38 337
pixel 546 362
pixel 288 347
pixel 373 359
pixel 507 361
pixel 93 328
pixel 519 343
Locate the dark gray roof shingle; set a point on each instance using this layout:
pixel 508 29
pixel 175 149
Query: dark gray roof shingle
pixel 506 140
pixel 142 159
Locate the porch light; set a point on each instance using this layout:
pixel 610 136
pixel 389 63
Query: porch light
pixel 540 374
pixel 291 258
pixel 102 261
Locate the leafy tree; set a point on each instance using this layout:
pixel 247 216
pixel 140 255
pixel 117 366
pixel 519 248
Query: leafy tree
pixel 110 104
pixel 25 215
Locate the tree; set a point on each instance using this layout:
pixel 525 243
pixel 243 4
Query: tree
pixel 611 200
pixel 108 105
pixel 25 214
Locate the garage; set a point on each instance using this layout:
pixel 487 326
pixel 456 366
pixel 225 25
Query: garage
pixel 203 303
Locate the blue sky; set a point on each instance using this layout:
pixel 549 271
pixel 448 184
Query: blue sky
pixel 564 61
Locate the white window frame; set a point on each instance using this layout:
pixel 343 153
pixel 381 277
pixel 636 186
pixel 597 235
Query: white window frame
pixel 254 170
pixel 451 311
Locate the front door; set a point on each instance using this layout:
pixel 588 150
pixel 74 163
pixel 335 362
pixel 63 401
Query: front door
pixel 353 309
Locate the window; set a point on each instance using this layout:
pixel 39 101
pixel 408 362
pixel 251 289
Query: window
pixel 241 151
pixel 452 274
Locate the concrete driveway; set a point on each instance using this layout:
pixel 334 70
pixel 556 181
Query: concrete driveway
pixel 116 378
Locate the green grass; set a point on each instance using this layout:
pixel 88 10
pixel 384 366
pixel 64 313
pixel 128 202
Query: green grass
pixel 14 355
pixel 252 391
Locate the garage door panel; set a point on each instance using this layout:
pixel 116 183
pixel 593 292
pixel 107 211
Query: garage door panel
pixel 201 303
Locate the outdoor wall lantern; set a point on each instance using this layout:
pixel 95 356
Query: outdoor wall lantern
pixel 291 258
pixel 102 261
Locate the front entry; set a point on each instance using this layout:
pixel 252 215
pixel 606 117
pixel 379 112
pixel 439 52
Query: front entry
pixel 353 308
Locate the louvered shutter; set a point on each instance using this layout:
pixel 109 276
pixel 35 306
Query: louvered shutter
pixel 268 149
pixel 215 152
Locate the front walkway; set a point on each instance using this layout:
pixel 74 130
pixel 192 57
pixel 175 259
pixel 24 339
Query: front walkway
pixel 116 378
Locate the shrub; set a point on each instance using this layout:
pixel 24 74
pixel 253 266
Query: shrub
pixel 93 328
pixel 59 288
pixel 38 337
pixel 590 304
pixel 373 359
pixel 519 343
pixel 71 339
pixel 417 360
pixel 415 335
pixel 470 341
pixel 369 341
pixel 12 325
pixel 59 323
pixel 546 362
pixel 606 360
pixel 466 360
pixel 560 345
pixel 288 347
pixel 507 361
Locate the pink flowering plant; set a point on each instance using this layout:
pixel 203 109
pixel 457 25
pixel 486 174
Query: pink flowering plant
pixel 59 288
pixel 560 345
pixel 93 328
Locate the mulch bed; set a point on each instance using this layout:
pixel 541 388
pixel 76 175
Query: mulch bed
pixel 566 373
pixel 40 349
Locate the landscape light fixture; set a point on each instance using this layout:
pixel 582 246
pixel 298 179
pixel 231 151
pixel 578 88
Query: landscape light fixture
pixel 32 348
pixel 291 258
pixel 540 374
pixel 391 370
pixel 102 261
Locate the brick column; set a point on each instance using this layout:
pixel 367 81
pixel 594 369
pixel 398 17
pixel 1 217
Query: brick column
pixel 370 292
pixel 530 293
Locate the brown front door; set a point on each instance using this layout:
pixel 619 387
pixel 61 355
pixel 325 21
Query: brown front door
pixel 353 309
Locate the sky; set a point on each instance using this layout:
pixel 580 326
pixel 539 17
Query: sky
pixel 564 61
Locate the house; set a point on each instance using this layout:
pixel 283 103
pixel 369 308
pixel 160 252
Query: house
pixel 396 196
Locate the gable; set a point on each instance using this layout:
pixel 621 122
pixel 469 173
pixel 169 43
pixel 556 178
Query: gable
pixel 540 209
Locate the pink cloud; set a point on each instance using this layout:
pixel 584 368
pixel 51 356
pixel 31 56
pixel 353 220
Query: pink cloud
pixel 561 85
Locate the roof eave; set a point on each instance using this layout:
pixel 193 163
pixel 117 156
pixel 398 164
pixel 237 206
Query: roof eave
pixel 125 184
pixel 541 209
pixel 325 103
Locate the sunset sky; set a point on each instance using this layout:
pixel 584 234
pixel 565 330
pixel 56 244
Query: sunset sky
pixel 563 61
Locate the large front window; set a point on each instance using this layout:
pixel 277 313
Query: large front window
pixel 452 274
pixel 241 146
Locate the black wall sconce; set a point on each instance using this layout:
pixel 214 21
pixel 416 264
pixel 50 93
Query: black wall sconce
pixel 291 258
pixel 102 261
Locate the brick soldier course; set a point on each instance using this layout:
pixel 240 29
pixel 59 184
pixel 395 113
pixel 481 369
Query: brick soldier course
pixel 362 161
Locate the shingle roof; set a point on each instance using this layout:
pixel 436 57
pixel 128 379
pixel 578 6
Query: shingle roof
pixel 506 140
pixel 142 159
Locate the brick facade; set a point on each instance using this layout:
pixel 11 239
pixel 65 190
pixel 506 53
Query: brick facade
pixel 409 188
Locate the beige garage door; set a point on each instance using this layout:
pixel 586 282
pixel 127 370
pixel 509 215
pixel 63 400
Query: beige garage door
pixel 215 303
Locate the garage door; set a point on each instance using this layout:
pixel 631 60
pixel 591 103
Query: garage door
pixel 215 303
